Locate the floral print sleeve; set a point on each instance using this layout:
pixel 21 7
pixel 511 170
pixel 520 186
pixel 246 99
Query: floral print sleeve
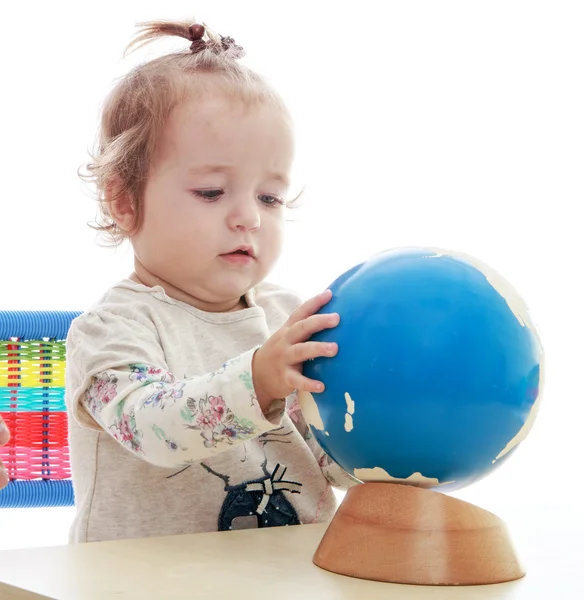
pixel 172 422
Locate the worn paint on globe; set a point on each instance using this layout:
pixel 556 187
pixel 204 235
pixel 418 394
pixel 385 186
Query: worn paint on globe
pixel 378 474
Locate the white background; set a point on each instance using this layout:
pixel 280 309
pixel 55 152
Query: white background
pixel 453 124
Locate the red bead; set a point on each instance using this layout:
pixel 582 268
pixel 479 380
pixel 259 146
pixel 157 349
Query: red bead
pixel 197 31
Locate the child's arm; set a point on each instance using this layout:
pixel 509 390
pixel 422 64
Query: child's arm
pixel 117 373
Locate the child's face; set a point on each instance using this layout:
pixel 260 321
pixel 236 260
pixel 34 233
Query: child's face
pixel 218 183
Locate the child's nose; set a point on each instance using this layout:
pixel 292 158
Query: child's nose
pixel 245 215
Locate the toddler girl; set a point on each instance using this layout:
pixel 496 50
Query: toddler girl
pixel 182 380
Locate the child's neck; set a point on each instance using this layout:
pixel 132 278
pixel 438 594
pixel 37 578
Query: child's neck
pixel 143 276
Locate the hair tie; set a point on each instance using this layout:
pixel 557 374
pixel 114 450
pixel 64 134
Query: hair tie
pixel 216 43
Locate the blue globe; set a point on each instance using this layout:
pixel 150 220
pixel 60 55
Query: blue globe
pixel 439 371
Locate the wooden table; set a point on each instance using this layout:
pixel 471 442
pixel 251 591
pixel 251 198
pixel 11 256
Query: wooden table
pixel 273 564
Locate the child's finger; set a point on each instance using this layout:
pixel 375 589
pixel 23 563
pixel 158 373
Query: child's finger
pixel 3 476
pixel 309 350
pixel 309 307
pixel 304 384
pixel 4 433
pixel 301 331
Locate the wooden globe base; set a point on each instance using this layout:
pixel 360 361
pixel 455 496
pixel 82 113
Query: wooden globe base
pixel 403 534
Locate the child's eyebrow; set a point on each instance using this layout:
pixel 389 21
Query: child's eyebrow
pixel 207 169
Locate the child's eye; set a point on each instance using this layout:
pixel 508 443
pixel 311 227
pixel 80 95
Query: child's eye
pixel 270 200
pixel 208 194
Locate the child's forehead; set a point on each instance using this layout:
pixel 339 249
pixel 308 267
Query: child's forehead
pixel 214 123
pixel 216 130
pixel 206 112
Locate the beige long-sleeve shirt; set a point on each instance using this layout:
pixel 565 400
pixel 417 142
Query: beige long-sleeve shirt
pixel 166 434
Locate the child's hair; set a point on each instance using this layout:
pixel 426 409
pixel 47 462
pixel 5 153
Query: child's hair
pixel 136 110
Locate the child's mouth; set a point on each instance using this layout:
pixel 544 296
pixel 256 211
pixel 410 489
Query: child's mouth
pixel 238 257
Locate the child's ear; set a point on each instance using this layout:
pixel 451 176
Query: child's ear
pixel 121 206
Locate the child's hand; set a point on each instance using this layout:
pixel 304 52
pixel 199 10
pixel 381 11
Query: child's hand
pixel 4 437
pixel 277 365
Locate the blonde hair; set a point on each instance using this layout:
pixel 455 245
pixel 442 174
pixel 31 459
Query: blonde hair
pixel 136 111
